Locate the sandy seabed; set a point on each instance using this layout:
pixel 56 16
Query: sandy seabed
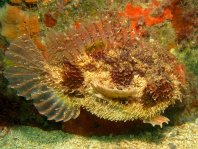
pixel 178 137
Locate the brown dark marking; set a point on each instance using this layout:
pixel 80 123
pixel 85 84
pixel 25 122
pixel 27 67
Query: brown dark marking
pixel 110 61
pixel 72 75
pixel 125 56
pixel 122 68
pixel 122 76
pixel 90 67
pixel 157 92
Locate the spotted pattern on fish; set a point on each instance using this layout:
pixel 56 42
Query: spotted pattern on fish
pixel 98 67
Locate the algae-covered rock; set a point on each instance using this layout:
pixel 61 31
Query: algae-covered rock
pixel 189 56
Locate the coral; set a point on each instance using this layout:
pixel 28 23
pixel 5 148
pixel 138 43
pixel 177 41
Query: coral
pixel 16 22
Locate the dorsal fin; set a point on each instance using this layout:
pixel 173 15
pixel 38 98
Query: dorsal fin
pixel 70 44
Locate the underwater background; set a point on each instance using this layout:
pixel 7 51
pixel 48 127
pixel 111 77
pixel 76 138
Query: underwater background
pixel 172 23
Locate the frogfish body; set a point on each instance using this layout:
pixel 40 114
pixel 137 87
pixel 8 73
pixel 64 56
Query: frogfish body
pixel 99 67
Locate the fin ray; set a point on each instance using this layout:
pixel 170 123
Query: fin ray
pixel 31 78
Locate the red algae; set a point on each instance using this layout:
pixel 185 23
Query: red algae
pixel 143 16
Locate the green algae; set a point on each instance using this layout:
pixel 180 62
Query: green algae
pixel 189 56
pixel 20 137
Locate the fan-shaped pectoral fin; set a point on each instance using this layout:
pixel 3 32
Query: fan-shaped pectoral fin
pixel 32 77
pixel 54 106
pixel 23 66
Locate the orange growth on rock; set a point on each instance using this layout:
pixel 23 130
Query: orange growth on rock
pixel 149 21
pixel 30 25
pixel 77 25
pixel 10 16
pixel 143 16
pixel 16 22
pixel 9 32
pixel 133 11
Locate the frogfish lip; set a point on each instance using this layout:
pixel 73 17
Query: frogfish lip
pixel 106 92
